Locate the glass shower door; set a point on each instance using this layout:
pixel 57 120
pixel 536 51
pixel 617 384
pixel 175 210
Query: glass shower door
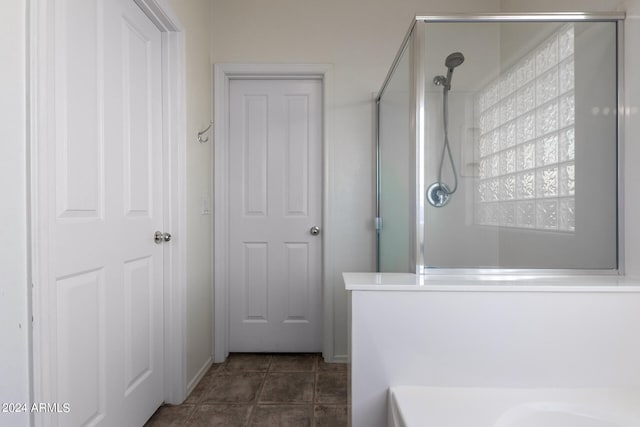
pixel 533 132
pixel 394 170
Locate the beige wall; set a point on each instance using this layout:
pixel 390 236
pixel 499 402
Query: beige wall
pixel 360 39
pixel 14 289
pixel 194 16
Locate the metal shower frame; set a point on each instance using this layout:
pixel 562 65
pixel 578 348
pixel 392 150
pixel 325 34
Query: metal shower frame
pixel 414 42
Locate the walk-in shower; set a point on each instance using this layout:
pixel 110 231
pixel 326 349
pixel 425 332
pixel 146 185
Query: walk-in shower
pixel 506 158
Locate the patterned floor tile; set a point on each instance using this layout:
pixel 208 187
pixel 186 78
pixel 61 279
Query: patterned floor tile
pixel 289 387
pixel 237 387
pixel 332 388
pixel 294 363
pixel 282 416
pixel 247 362
pixel 170 416
pixel 330 416
pixel 264 390
pixel 220 416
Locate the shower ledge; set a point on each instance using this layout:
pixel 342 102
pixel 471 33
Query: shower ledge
pixel 488 283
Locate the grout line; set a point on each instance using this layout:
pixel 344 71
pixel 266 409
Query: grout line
pixel 191 415
pixel 252 409
pixel 316 372
pixel 254 404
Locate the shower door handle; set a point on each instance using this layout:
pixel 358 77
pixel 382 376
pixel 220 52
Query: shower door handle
pixel 315 230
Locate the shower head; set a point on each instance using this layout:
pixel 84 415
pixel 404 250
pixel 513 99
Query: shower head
pixel 453 60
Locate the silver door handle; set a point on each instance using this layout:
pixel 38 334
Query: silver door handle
pixel 315 230
pixel 160 237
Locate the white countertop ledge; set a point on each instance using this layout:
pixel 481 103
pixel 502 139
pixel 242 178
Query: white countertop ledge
pixel 488 283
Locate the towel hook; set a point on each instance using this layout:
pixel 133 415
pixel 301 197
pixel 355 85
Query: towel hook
pixel 202 140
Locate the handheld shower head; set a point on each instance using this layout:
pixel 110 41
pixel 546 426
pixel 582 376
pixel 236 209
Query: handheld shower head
pixel 452 61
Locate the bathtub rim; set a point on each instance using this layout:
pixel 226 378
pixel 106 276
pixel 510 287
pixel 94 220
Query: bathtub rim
pixel 619 412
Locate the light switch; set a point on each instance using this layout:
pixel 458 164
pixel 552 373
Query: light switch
pixel 206 206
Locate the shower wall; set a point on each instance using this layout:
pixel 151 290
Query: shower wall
pixel 451 236
pixel 455 235
pixel 454 223
pixel 631 155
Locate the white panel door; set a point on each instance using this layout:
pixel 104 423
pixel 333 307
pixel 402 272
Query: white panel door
pixel 107 289
pixel 275 192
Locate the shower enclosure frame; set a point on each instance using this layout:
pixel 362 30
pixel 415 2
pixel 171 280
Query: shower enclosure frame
pixel 414 42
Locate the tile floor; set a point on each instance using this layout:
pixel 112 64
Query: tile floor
pixel 293 390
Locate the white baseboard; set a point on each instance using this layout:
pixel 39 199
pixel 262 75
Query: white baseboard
pixel 201 372
pixel 338 358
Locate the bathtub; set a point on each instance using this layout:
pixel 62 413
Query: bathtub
pixel 415 406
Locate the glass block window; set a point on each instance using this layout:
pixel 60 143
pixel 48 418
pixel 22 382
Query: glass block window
pixel 526 148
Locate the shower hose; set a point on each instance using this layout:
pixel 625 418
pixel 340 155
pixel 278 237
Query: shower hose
pixel 446 149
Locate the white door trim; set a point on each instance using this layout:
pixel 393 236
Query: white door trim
pixel 175 187
pixel 223 73
pixel 40 93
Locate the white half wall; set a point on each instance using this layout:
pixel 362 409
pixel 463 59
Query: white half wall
pixel 514 339
pixel 360 39
pixel 14 290
pixel 194 16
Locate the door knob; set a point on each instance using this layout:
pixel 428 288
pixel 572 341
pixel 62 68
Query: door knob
pixel 160 237
pixel 315 230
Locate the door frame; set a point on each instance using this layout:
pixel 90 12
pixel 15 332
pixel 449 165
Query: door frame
pixel 40 126
pixel 222 76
